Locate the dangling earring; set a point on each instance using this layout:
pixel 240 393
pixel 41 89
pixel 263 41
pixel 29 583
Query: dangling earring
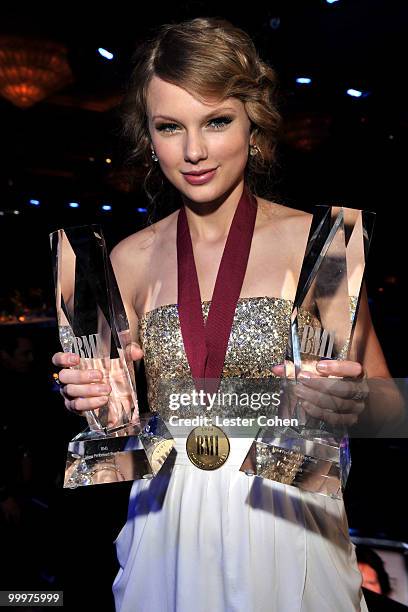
pixel 154 156
pixel 253 150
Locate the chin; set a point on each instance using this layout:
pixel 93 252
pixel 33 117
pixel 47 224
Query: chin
pixel 202 193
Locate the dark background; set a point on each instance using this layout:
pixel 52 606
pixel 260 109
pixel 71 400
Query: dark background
pixel 334 149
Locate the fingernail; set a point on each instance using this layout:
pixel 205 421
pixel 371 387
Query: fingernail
pixel 73 359
pixel 103 389
pixel 96 375
pixel 322 365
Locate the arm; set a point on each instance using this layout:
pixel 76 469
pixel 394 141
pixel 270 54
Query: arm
pixel 365 345
pixel 379 411
pixel 126 276
pixel 385 409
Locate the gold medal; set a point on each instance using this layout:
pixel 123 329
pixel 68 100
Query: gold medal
pixel 207 447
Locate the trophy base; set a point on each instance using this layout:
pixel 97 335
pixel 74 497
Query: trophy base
pixel 311 460
pixel 157 442
pixel 106 456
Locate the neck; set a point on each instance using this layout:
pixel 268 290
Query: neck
pixel 211 221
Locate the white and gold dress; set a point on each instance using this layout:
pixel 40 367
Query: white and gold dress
pixel 220 540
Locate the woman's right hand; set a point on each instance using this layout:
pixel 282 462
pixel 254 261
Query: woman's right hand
pixel 84 390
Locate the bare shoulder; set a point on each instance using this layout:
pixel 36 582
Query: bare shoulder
pixel 288 220
pixel 139 242
pixel 140 245
pixel 131 256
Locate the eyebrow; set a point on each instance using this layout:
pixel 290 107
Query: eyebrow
pixel 214 112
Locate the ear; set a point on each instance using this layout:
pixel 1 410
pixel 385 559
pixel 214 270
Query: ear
pixel 252 137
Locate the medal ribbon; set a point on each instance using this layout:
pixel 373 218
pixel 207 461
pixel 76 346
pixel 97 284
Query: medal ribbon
pixel 206 344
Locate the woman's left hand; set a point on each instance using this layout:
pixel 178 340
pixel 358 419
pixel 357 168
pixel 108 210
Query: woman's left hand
pixel 338 401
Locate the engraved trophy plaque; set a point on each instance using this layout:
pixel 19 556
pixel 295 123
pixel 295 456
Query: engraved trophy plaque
pixel 92 323
pixel 306 452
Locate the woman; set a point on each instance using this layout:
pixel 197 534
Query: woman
pixel 201 102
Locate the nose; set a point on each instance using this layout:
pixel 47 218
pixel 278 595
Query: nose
pixel 195 148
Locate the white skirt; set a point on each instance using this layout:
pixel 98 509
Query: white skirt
pixel 223 541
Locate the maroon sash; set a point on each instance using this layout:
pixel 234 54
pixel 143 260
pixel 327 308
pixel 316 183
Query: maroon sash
pixel 206 345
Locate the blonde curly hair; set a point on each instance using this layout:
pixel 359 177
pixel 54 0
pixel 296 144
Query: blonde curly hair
pixel 209 58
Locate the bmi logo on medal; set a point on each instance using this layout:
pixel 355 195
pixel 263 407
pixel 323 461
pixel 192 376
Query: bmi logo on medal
pixel 207 447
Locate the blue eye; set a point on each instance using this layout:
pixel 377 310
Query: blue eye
pixel 219 122
pixel 222 121
pixel 164 127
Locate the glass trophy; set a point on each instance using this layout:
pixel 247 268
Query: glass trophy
pixel 92 323
pixel 301 450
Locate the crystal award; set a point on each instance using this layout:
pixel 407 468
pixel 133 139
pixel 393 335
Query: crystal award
pixel 92 323
pixel 304 451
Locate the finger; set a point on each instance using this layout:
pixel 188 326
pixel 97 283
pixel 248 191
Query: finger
pixel 317 398
pixel 344 388
pixel 340 367
pixel 77 377
pixel 92 390
pixel 330 402
pixel 327 416
pixel 279 369
pixel 65 359
pixel 334 386
pixel 81 404
pixel 133 351
pixel 136 352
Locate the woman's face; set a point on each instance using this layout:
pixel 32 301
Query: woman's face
pixel 188 135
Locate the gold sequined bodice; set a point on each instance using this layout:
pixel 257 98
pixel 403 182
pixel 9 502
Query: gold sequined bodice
pixel 257 342
pixel 258 335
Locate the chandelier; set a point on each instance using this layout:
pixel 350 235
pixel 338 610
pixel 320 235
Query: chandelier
pixel 31 69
